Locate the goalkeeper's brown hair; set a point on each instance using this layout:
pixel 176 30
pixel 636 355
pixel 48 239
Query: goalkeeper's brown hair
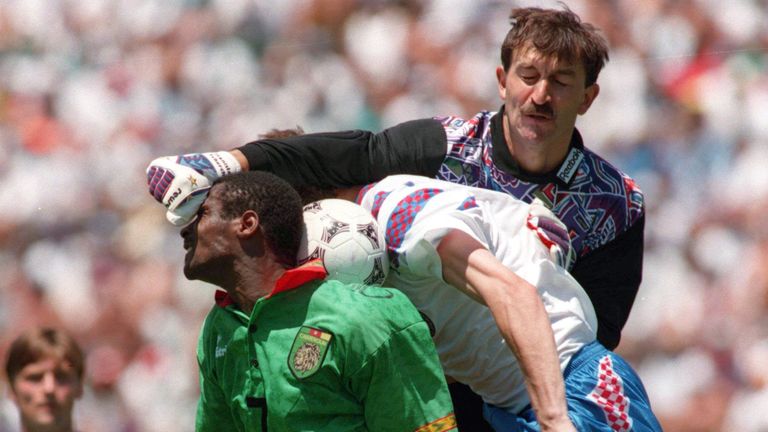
pixel 556 34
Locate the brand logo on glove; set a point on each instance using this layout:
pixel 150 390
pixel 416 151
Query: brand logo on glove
pixel 173 197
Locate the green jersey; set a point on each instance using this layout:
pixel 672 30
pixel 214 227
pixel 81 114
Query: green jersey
pixel 320 355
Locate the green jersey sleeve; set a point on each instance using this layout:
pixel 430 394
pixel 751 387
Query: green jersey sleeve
pixel 402 385
pixel 213 411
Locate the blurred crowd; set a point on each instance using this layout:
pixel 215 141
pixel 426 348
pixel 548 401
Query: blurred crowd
pixel 92 90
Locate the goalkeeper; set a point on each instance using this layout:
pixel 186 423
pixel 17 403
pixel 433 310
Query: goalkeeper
pixel 285 350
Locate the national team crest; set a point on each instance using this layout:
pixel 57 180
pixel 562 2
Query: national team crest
pixel 308 351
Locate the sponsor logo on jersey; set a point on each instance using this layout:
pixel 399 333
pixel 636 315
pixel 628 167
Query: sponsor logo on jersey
pixel 220 351
pixel 308 351
pixel 571 165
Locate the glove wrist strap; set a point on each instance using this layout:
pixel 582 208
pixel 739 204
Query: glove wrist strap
pixel 223 162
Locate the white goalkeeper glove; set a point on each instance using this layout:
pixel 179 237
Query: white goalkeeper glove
pixel 181 183
pixel 552 232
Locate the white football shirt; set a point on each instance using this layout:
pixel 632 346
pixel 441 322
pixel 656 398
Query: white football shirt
pixel 415 213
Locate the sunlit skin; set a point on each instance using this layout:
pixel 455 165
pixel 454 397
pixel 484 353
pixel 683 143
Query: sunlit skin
pixel 542 99
pixel 45 393
pixel 229 252
pixel 207 243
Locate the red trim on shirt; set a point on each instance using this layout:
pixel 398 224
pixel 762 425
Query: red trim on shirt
pixel 296 277
pixel 223 299
pixel 291 279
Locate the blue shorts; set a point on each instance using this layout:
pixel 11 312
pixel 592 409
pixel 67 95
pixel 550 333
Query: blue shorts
pixel 603 393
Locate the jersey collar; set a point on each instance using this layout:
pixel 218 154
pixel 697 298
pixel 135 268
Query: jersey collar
pixel 293 278
pixel 502 158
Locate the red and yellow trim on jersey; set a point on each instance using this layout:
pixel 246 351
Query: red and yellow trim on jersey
pixel 293 278
pixel 296 277
pixel 442 424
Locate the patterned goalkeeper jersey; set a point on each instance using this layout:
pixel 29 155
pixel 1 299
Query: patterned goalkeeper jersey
pixel 595 200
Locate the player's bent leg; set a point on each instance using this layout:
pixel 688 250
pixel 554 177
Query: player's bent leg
pixel 604 393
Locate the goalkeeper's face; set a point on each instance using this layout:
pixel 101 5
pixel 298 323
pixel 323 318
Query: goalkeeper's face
pixel 210 243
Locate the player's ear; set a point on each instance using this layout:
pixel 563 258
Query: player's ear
pixel 501 80
pixel 590 94
pixel 248 224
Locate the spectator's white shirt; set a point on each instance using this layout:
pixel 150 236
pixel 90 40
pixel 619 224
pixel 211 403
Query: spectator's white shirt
pixel 416 213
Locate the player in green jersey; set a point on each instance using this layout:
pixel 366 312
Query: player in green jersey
pixel 283 349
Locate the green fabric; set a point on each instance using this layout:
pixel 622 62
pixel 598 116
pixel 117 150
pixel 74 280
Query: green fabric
pixel 380 370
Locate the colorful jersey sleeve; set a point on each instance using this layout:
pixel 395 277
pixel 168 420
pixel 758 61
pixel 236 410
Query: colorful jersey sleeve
pixel 418 213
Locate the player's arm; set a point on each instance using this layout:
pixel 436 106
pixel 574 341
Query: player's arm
pixel 348 158
pixel 611 277
pixel 520 316
pixel 322 160
pixel 213 411
pixel 401 384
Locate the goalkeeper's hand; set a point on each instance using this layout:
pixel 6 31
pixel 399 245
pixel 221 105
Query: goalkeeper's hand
pixel 181 183
pixel 552 232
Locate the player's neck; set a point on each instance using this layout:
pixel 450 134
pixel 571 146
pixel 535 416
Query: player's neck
pixel 254 281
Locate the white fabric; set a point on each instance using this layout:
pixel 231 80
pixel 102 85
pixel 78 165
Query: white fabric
pixel 470 346
pixel 191 181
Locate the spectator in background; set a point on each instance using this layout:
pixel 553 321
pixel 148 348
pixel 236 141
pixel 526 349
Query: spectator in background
pixel 45 371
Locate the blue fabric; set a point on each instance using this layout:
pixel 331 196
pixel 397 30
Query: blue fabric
pixel 603 393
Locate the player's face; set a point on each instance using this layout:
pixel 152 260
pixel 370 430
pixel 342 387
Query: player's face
pixel 208 241
pixel 542 98
pixel 45 392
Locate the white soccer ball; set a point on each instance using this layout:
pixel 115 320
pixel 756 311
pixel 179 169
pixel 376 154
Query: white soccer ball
pixel 347 239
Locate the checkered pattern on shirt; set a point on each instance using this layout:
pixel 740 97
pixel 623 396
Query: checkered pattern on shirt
pixel 402 217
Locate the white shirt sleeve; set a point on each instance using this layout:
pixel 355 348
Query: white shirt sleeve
pixel 418 249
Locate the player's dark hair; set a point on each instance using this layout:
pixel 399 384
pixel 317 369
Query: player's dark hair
pixel 282 133
pixel 278 205
pixel 556 34
pixel 43 343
